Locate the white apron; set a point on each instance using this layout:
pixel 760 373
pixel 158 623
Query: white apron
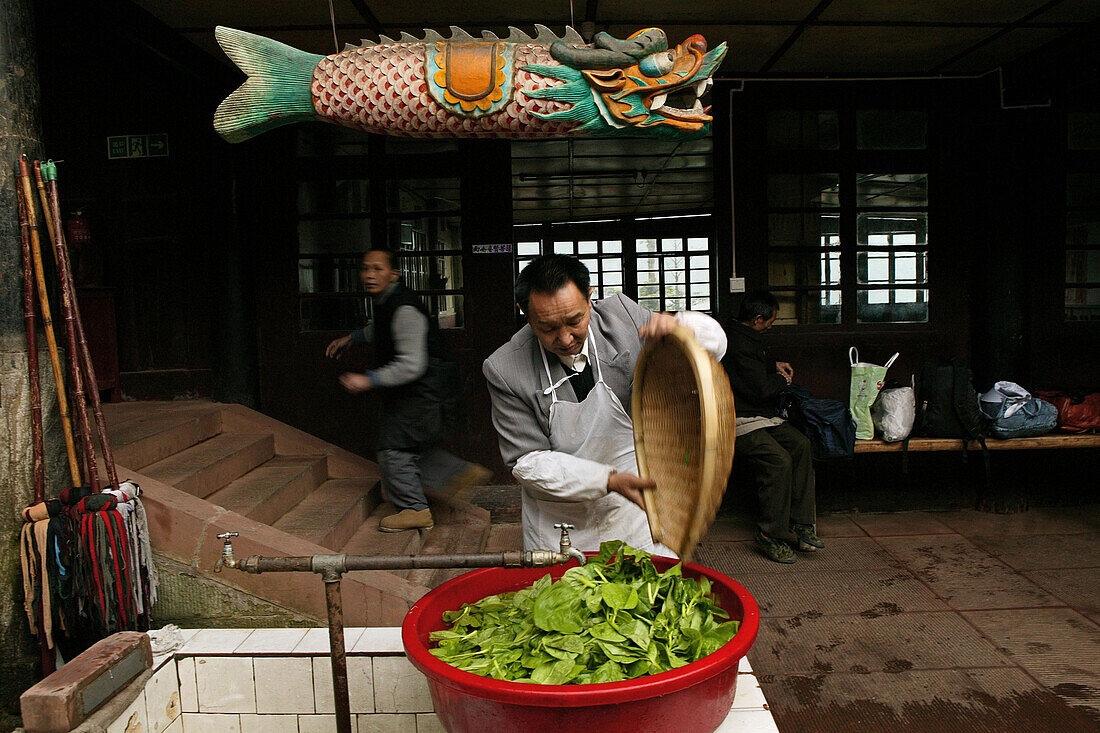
pixel 597 429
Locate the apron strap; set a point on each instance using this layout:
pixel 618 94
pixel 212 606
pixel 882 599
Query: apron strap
pixel 552 389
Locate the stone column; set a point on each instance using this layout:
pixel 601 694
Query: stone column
pixel 20 132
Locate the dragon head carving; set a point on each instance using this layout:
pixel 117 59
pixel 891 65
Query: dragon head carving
pixel 635 87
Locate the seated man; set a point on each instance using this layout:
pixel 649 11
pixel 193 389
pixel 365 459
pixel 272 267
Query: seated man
pixel 561 394
pixel 781 456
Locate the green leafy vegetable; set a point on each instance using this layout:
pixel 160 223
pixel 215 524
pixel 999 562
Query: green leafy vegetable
pixel 614 619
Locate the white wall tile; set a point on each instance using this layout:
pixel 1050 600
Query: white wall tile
pixel 321 724
pixel 162 697
pixel 315 642
pixel 399 687
pixel 132 720
pixel 360 684
pixel 429 723
pixel 322 684
pixel 380 640
pixel 386 723
pixel 176 726
pixel 271 641
pixel 748 721
pixel 225 684
pixel 189 691
pixel 215 641
pixel 268 723
pixel 284 684
pixel 208 723
pixel 749 694
pixel 352 634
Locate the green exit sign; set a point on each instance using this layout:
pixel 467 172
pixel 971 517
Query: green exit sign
pixel 137 146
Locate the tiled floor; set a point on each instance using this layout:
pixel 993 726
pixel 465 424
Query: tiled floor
pixel 928 621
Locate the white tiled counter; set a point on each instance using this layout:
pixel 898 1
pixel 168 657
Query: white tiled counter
pixel 280 681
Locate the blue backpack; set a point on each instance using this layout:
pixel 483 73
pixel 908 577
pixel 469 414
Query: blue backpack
pixel 827 423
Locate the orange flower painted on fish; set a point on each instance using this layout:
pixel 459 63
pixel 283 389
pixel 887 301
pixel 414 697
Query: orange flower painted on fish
pixel 471 75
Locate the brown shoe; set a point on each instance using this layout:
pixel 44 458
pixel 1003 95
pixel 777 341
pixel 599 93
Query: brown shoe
pixel 465 480
pixel 407 519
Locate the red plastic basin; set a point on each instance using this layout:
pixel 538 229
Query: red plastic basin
pixel 696 697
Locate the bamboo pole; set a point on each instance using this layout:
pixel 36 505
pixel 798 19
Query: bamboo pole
pixel 51 204
pixel 30 321
pixel 47 321
pixel 76 376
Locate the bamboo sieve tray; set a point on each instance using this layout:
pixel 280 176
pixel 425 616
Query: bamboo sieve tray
pixel 684 428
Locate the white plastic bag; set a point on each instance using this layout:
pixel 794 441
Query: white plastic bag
pixel 894 413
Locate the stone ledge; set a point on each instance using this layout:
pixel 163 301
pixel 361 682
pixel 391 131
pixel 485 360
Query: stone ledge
pixel 67 697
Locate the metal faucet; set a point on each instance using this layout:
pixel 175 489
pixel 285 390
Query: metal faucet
pixel 565 546
pixel 227 558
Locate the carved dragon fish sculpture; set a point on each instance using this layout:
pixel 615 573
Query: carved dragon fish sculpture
pixel 517 87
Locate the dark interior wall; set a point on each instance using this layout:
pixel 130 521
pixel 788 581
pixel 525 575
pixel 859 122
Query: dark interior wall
pixel 298 384
pixel 819 353
pixel 162 227
pixel 997 186
pixel 201 246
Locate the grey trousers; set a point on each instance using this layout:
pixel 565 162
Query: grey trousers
pixel 783 472
pixel 406 475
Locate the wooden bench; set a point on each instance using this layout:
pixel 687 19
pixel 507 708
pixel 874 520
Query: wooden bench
pixel 1055 440
pixel 991 497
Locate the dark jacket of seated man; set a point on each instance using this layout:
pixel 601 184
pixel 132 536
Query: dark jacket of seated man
pixel 754 377
pixel 780 456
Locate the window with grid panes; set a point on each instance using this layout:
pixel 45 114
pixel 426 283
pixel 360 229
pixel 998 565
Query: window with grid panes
pixel 424 225
pixel 669 273
pixel 844 245
pixel 674 273
pixel 341 214
pixel 1082 281
pixel 892 248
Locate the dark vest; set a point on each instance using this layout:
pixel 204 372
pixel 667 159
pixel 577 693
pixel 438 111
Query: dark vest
pixel 425 410
pixel 383 326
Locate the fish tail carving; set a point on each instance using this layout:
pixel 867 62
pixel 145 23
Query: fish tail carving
pixel 277 91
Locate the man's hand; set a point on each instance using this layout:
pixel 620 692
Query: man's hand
pixel 337 346
pixel 356 383
pixel 661 324
pixel 630 486
pixel 786 370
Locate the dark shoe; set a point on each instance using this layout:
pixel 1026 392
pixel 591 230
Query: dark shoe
pixel 808 541
pixel 774 550
pixel 407 519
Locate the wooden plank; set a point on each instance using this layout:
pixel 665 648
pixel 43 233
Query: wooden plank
pixel 923 445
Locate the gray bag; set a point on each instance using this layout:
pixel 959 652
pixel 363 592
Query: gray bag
pixel 1014 413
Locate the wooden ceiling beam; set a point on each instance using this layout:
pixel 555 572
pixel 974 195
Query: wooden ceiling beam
pixel 368 16
pixel 795 35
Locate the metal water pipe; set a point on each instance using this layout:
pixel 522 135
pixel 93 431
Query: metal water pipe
pixel 332 568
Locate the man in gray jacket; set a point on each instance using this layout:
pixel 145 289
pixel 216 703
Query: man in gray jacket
pixel 561 398
pixel 419 387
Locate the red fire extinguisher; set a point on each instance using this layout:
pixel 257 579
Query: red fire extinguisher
pixel 87 267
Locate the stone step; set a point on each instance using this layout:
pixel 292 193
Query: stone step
pixel 204 468
pixel 505 537
pixel 367 540
pixel 149 438
pixel 270 490
pixel 445 539
pixel 332 513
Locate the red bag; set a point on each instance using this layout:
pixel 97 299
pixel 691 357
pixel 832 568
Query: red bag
pixel 1076 417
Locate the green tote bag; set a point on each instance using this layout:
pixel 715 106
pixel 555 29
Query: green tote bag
pixel 867 380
